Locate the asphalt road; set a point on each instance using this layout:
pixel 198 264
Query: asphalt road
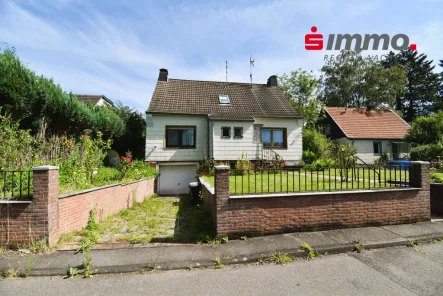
pixel 394 271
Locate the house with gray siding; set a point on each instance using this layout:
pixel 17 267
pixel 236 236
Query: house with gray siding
pixel 190 120
pixel 371 131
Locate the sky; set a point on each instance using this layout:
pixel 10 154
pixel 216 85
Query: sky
pixel 116 48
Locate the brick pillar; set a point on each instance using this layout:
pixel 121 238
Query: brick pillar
pixel 419 174
pixel 419 177
pixel 221 198
pixel 45 203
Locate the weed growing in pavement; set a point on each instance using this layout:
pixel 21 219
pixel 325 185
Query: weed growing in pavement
pixel 72 272
pixel 358 246
pixel 224 240
pixel 11 273
pixel 87 266
pixel 244 238
pixel 310 252
pixel 28 265
pixel 411 244
pixel 218 263
pixel 440 239
pixel 280 258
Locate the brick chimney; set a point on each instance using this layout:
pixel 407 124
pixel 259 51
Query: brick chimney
pixel 272 81
pixel 163 75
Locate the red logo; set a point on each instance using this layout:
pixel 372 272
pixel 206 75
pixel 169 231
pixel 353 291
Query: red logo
pixel 313 41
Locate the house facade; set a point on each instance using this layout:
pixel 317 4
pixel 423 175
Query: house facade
pixel 189 121
pixel 372 132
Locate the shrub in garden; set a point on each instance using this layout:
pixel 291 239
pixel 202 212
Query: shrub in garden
pixel 309 157
pixel 112 159
pixel 243 164
pixel 430 152
pixel 206 167
pixel 320 164
pixel 317 143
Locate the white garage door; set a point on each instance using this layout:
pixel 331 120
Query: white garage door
pixel 174 179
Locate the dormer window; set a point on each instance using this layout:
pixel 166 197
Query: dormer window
pixel 223 99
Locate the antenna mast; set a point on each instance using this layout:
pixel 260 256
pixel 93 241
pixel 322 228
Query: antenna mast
pixel 251 64
pixel 226 71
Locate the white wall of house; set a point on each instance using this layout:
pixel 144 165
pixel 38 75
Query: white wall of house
pixel 230 149
pixel 155 138
pixel 365 148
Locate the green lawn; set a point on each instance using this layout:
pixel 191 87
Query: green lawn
pixel 309 181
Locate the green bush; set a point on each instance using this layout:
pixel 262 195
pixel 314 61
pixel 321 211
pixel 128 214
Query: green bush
pixel 112 159
pixel 320 164
pixel 107 175
pixel 243 164
pixel 43 107
pixel 309 157
pixel 206 167
pixel 430 152
pixel 140 170
pixel 426 130
pixel 317 143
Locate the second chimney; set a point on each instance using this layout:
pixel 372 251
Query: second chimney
pixel 272 81
pixel 163 75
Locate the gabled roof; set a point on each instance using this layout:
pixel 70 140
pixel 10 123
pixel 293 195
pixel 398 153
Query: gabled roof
pixel 368 124
pixel 179 96
pixel 93 98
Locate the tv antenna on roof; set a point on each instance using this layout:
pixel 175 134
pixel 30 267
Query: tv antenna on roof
pixel 251 64
pixel 226 71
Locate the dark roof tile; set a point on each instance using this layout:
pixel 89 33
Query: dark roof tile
pixel 202 97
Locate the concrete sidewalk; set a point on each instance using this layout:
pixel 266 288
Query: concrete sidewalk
pixel 137 258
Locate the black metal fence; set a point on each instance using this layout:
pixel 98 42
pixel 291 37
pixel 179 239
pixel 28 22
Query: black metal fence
pixel 15 185
pixel 286 180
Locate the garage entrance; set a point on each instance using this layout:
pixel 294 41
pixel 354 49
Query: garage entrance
pixel 174 178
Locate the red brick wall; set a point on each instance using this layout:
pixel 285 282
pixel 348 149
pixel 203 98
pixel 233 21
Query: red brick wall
pixel 237 216
pixel 74 208
pixel 30 221
pixel 437 198
pixel 48 215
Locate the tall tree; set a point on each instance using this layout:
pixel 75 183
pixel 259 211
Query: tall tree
pixel 420 96
pixel 352 80
pixel 303 90
pixel 134 136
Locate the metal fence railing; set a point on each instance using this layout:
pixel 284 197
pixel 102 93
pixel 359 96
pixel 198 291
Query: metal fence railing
pixel 286 180
pixel 15 185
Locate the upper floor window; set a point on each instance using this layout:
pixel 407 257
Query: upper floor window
pixel 226 132
pixel 274 137
pixel 180 137
pixel 223 99
pixel 238 132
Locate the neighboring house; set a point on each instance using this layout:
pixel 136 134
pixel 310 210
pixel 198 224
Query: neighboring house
pixel 97 100
pixel 190 120
pixel 372 132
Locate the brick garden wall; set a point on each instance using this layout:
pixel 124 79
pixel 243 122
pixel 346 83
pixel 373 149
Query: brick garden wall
pixel 269 214
pixel 49 215
pixel 74 209
pixel 437 198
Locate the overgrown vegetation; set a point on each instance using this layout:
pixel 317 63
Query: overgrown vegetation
pixel 280 258
pixel 154 220
pixel 76 158
pixel 310 252
pixel 44 108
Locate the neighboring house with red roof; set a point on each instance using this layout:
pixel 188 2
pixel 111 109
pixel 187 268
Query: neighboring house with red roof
pixel 97 100
pixel 190 120
pixel 372 132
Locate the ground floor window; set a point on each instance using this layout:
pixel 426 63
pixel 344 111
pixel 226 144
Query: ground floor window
pixel 377 148
pixel 181 137
pixel 274 137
